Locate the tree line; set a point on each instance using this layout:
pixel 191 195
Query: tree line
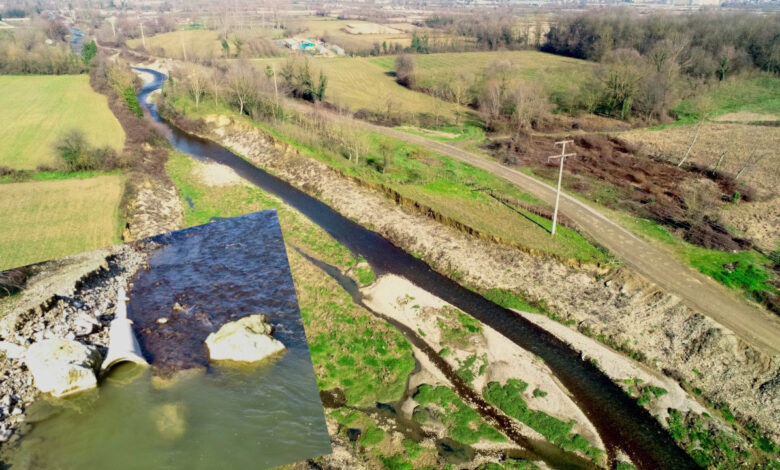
pixel 703 45
pixel 253 92
pixel 41 48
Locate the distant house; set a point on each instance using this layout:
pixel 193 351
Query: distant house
pixel 337 49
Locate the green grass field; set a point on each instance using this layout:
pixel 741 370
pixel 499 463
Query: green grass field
pixel 552 73
pixel 196 42
pixel 36 110
pixel 360 83
pixel 47 219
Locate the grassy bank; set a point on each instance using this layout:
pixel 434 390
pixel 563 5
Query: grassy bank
pixel 38 110
pixel 47 219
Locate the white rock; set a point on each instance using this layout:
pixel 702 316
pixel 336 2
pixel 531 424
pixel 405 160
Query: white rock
pixel 11 350
pixel 62 367
pixel 245 340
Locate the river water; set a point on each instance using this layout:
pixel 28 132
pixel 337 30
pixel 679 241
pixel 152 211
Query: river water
pixel 205 416
pixel 621 423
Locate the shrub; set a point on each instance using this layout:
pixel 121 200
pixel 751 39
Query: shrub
pixel 80 156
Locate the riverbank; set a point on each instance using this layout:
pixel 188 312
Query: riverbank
pixel 624 309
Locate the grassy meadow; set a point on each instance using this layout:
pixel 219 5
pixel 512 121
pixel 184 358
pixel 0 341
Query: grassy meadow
pixel 47 219
pixel 360 83
pixel 196 42
pixel 36 110
pixel 553 73
pixel 727 100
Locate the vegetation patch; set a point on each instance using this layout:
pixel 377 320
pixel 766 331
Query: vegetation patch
pixel 644 393
pixel 464 425
pixel 509 398
pixel 457 328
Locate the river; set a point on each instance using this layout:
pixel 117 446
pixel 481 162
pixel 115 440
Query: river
pixel 621 423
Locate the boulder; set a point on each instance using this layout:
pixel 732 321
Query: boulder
pixel 245 340
pixel 63 367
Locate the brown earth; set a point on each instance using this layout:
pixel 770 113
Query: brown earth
pixel 645 187
pixel 735 142
pixel 627 307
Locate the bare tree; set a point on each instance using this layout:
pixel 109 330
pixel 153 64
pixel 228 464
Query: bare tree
pixel 530 107
pixel 490 102
pixel 753 159
pixel 197 81
pixel 216 78
pixel 460 92
pixel 241 82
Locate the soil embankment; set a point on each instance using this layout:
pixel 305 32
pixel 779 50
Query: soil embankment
pixel 626 308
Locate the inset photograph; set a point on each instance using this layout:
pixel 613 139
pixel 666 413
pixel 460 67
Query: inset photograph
pixel 181 351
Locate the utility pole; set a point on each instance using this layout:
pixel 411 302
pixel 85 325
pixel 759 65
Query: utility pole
pixel 562 156
pixel 143 38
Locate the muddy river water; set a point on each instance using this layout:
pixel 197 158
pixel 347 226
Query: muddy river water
pixel 621 423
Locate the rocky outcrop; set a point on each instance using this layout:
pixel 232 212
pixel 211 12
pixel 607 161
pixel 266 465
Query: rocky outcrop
pixel 63 367
pixel 246 340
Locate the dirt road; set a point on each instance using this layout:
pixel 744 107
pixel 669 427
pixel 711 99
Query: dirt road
pixel 753 324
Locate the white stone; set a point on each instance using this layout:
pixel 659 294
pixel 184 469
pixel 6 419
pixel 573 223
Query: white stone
pixel 62 367
pixel 245 340
pixel 11 350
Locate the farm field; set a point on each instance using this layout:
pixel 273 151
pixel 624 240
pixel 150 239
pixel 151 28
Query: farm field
pixel 352 36
pixel 200 42
pixel 31 122
pixel 553 73
pixel 48 219
pixel 357 83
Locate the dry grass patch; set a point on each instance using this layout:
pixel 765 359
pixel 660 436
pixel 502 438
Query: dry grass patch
pixel 48 219
pixel 36 110
pixel 738 144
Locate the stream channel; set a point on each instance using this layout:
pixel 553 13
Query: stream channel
pixel 621 423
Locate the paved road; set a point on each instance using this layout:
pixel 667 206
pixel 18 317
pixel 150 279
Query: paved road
pixel 750 322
